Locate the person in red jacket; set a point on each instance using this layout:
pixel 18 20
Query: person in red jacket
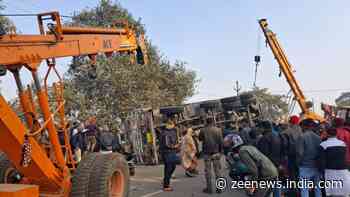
pixel 343 133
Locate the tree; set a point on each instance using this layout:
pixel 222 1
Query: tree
pixel 116 86
pixel 343 100
pixel 274 107
pixel 6 25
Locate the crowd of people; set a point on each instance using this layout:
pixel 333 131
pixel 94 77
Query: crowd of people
pixel 304 151
pixel 87 137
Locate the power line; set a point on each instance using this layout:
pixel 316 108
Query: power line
pixel 19 15
pixel 318 91
pixel 28 12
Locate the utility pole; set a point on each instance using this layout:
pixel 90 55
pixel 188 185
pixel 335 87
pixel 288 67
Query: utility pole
pixel 237 88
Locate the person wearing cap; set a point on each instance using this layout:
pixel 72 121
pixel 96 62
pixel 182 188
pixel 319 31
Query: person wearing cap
pixel 333 164
pixel 308 154
pixel 343 134
pixel 289 139
pixel 260 167
pixel 212 139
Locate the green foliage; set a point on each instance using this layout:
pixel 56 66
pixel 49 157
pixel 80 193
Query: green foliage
pixel 116 86
pixel 343 100
pixel 274 105
pixel 5 23
pixel 106 14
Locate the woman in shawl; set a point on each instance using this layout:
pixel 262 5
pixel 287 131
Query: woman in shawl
pixel 188 153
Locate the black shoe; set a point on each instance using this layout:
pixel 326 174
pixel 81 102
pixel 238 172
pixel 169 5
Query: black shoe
pixel 207 191
pixel 189 174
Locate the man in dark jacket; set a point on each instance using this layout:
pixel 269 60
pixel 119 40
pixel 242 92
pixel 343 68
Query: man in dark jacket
pixel 270 144
pixel 108 141
pixel 289 138
pixel 91 132
pixel 212 139
pixel 308 154
pixel 168 146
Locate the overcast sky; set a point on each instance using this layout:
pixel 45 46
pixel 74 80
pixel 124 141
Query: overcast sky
pixel 219 39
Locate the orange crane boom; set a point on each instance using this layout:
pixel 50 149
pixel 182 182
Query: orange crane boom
pixel 50 169
pixel 286 69
pixel 63 41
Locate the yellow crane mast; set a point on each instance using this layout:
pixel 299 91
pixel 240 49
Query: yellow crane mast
pixel 286 69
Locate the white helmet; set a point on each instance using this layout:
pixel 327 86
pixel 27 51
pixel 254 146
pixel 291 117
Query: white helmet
pixel 234 140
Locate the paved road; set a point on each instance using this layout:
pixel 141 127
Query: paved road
pixel 147 183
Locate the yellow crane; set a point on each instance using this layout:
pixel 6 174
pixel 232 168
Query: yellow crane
pixel 286 69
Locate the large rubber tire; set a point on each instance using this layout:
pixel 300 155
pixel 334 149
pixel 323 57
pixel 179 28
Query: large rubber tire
pixel 7 170
pixel 109 177
pixel 81 176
